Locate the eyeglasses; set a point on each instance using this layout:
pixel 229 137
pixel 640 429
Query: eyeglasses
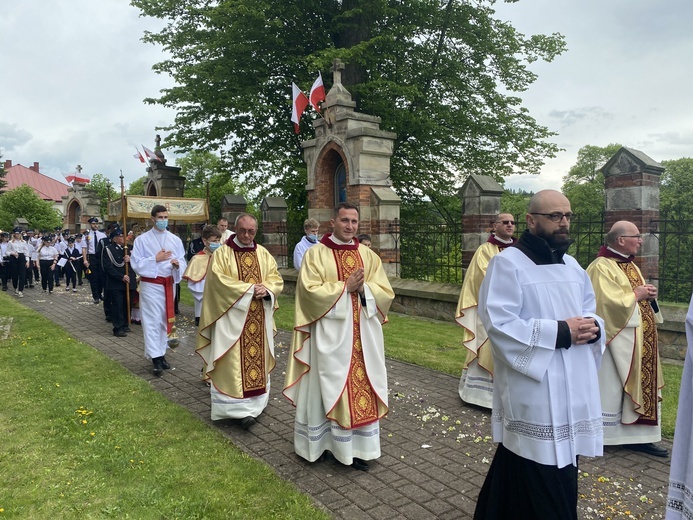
pixel 632 236
pixel 250 232
pixel 506 222
pixel 557 216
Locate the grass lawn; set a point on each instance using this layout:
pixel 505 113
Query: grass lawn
pixel 83 438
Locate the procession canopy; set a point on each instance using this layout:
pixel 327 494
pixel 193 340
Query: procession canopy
pixel 140 207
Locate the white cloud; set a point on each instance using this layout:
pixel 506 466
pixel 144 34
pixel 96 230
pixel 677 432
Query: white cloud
pixel 75 73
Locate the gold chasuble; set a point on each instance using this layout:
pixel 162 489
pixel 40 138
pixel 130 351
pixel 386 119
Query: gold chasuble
pixel 352 371
pixel 197 267
pixel 475 338
pixel 358 403
pixel 631 334
pixel 236 330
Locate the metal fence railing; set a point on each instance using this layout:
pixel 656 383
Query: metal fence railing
pixel 432 251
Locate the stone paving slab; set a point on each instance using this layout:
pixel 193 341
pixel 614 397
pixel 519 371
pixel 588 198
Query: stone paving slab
pixel 436 450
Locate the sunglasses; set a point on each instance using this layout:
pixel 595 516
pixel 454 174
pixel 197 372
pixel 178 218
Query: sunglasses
pixel 506 222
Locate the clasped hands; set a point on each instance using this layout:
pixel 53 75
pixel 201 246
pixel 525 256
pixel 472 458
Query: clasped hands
pixel 582 330
pixel 259 291
pixel 163 255
pixel 645 292
pixel 355 281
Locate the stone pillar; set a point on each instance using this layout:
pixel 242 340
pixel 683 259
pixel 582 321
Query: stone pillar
pixel 349 160
pixel 163 180
pixel 79 205
pixel 481 202
pixel 274 211
pixel 231 207
pixel 631 187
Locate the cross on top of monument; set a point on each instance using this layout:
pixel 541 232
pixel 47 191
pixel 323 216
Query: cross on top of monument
pixel 337 68
pixel 157 140
pixel 78 169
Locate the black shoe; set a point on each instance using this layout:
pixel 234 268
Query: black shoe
pixel 247 422
pixel 164 363
pixel 127 329
pixel 158 367
pixel 31 286
pixel 650 448
pixel 57 284
pixel 360 464
pixel 96 301
pixel 108 318
pixel 325 456
pixel 120 334
pixel 80 283
pixel 4 288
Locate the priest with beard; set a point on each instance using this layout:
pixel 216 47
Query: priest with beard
pixel 538 308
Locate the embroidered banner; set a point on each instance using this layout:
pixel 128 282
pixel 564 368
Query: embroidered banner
pixel 180 209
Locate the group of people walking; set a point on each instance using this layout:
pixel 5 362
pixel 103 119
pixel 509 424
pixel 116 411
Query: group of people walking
pixel 51 258
pixel 567 358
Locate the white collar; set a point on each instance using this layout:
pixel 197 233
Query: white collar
pixel 614 251
pixel 339 242
pixel 235 241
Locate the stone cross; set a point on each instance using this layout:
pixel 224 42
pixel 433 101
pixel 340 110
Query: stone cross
pixel 337 68
pixel 78 169
pixel 157 141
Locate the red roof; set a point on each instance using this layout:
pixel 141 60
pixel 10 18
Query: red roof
pixel 45 187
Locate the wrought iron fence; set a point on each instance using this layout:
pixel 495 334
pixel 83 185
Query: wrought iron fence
pixel 432 251
pixel 674 233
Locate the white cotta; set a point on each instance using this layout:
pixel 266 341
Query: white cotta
pixel 546 404
pixel 680 499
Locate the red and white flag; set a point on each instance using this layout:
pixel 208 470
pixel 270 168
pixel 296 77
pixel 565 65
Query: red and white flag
pixel 317 93
pixel 298 105
pixel 139 156
pixel 150 155
pixel 77 178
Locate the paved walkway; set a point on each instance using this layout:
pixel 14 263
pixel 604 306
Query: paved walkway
pixel 436 450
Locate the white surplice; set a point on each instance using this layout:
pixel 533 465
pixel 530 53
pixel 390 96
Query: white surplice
pixel 546 404
pixel 153 296
pixel 680 499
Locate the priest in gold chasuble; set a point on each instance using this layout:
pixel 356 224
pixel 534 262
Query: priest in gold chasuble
pixel 630 377
pixel 476 383
pixel 236 335
pixel 336 376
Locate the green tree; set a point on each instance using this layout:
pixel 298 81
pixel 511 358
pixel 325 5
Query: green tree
pixel 104 188
pixel 201 167
pixel 136 187
pixel 23 202
pixel 441 75
pixel 515 202
pixel 676 187
pixel 584 183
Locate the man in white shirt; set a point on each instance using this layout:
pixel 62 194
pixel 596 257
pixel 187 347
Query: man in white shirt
pixel 91 259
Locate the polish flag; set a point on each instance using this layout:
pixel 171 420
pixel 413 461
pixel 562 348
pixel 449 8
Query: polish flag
pixel 150 155
pixel 77 178
pixel 298 105
pixel 139 156
pixel 317 93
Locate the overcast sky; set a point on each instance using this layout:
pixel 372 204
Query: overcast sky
pixel 74 74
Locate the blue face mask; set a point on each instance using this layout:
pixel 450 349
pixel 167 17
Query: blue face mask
pixel 213 246
pixel 161 224
pixel 312 238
